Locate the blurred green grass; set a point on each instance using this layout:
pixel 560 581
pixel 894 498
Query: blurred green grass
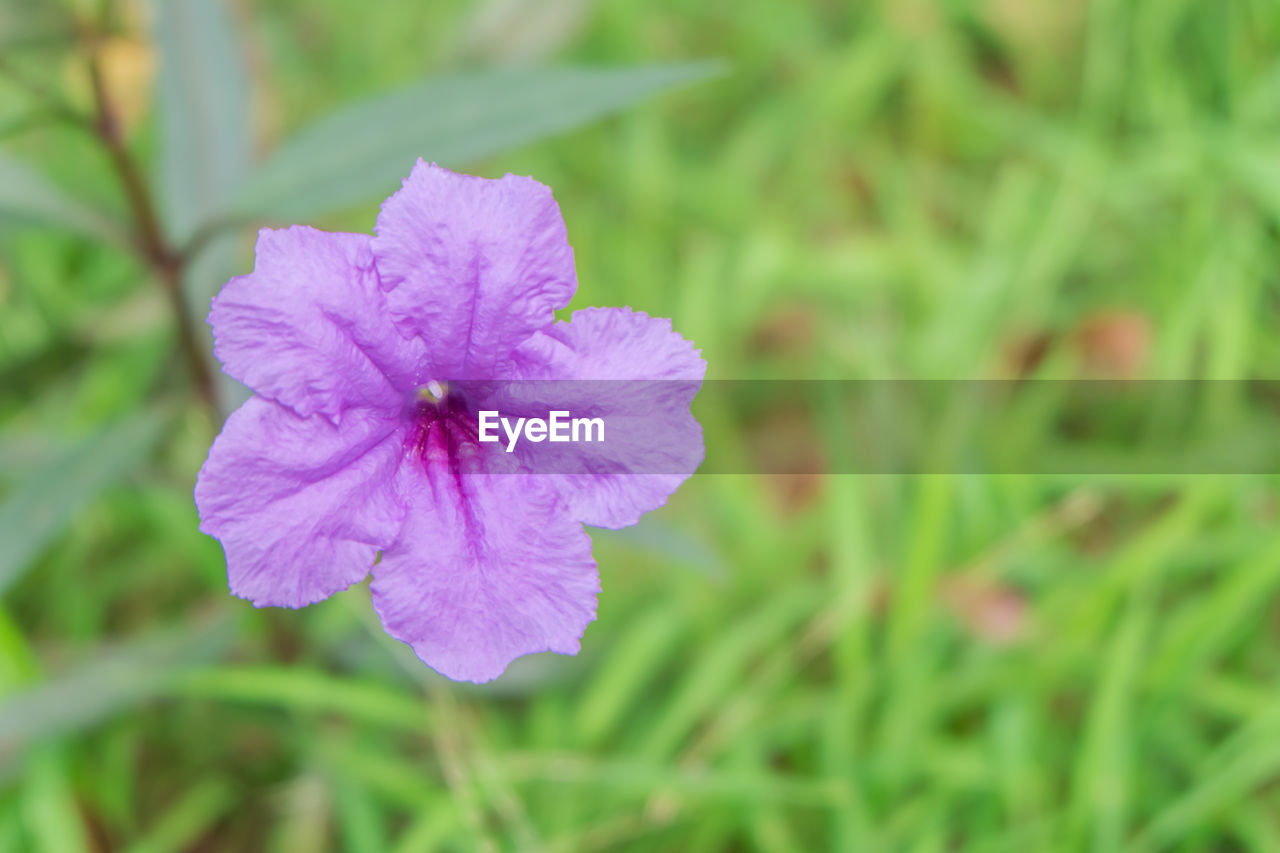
pixel 884 189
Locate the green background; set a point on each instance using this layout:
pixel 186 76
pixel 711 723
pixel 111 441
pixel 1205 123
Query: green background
pixel 962 189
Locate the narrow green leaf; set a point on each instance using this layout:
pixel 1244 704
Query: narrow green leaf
pixel 119 678
pixel 362 151
pixel 26 196
pixel 203 100
pixel 645 776
pixel 48 803
pixel 635 659
pixel 192 815
pixel 205 116
pixel 25 453
pixel 428 831
pixel 360 817
pixel 42 503
pixel 305 690
pixel 668 542
pixel 1214 788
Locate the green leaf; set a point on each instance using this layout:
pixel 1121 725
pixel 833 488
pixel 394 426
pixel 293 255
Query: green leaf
pixel 33 23
pixel 670 543
pixel 203 98
pixel 308 691
pixel 362 151
pixel 112 680
pixel 42 503
pixel 189 818
pixel 25 453
pixel 27 197
pixel 49 803
pixel 204 109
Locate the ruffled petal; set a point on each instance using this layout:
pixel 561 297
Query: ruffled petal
pixel 612 343
pixel 614 500
pixel 648 376
pixel 472 266
pixel 487 568
pixel 300 505
pixel 309 327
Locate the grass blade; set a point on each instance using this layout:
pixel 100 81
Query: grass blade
pixel 117 679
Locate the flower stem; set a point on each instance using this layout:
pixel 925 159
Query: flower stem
pixel 167 264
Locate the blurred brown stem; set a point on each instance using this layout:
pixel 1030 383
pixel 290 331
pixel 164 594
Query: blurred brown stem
pixel 166 263
pixel 209 232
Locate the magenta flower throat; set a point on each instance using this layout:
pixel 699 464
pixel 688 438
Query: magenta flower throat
pixel 369 358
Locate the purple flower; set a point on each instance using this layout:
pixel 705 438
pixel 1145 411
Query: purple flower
pixel 347 341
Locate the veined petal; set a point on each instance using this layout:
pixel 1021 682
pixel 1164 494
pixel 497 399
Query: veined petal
pixel 309 327
pixel 652 374
pixel 300 505
pixel 472 266
pixel 487 568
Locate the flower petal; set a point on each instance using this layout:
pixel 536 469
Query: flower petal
pixel 472 266
pixel 612 343
pixel 487 568
pixel 657 373
pixel 309 326
pixel 614 500
pixel 300 505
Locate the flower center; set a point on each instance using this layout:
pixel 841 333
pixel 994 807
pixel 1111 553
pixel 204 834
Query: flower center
pixel 442 428
pixel 433 392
